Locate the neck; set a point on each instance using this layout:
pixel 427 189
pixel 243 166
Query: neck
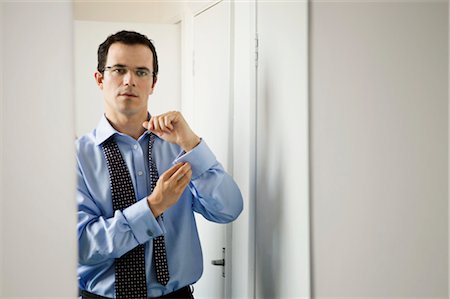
pixel 129 125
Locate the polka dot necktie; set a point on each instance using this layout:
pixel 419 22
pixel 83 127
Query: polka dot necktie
pixel 130 268
pixel 159 246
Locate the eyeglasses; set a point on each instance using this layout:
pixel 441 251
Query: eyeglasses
pixel 120 71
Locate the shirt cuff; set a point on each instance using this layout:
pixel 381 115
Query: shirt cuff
pixel 142 222
pixel 201 158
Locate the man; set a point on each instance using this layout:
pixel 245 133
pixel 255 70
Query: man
pixel 140 180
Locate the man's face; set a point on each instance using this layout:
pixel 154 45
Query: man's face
pixel 127 81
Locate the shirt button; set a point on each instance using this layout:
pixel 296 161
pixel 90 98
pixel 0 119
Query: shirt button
pixel 135 146
pixel 149 232
pixel 140 172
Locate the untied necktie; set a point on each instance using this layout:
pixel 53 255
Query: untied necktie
pixel 159 244
pixel 130 268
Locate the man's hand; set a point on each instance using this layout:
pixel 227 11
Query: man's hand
pixel 173 128
pixel 169 188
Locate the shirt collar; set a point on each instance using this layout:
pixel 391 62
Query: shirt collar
pixel 104 130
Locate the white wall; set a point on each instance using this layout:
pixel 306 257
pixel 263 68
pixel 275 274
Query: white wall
pixel 282 196
pixel 379 75
pixel 155 12
pixel 1 144
pixel 38 221
pixel 187 66
pixel 88 97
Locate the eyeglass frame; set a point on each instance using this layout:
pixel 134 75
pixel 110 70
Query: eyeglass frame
pixel 127 69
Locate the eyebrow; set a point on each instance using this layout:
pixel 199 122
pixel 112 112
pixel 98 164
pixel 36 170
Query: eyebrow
pixel 138 68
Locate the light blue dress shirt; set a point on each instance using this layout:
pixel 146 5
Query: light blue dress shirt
pixel 104 234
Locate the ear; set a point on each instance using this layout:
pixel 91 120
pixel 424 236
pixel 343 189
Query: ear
pixel 153 85
pixel 99 79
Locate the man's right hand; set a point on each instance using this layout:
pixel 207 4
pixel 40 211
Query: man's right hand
pixel 169 188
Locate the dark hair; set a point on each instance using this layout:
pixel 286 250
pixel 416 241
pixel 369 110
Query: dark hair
pixel 128 38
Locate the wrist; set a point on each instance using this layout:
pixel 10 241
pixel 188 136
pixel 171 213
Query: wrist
pixel 191 143
pixel 155 205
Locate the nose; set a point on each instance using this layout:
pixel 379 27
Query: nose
pixel 128 79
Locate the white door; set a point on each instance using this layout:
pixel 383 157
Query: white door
pixel 212 121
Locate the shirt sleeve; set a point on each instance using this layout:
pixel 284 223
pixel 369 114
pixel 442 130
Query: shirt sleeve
pixel 216 195
pixel 101 238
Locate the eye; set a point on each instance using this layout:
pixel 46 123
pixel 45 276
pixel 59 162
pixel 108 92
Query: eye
pixel 142 73
pixel 119 70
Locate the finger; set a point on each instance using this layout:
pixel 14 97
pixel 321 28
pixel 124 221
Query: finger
pixel 150 125
pixel 176 115
pixel 145 124
pixel 169 173
pixel 181 172
pixel 155 124
pixel 168 121
pixel 187 176
pixel 184 181
pixel 162 125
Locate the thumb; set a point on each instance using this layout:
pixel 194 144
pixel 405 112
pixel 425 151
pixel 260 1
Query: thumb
pixel 145 125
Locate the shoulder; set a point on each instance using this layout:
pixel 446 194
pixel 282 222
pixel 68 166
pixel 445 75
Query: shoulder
pixel 85 142
pixel 88 152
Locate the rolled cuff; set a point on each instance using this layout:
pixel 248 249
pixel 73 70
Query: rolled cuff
pixel 201 158
pixel 142 222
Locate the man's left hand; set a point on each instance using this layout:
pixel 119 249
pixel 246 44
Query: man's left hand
pixel 172 127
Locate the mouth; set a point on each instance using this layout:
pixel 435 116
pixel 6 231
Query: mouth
pixel 129 95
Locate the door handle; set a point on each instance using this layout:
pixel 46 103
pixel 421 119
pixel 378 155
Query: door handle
pixel 218 262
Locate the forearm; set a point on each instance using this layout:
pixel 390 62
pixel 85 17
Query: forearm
pixel 216 195
pixel 102 238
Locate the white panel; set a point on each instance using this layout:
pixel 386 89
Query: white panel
pixel 211 78
pixel 1 146
pixel 89 99
pixel 39 228
pixel 282 203
pixel 379 86
pixel 244 145
pixel 211 122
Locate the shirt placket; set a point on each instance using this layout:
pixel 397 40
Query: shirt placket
pixel 140 173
